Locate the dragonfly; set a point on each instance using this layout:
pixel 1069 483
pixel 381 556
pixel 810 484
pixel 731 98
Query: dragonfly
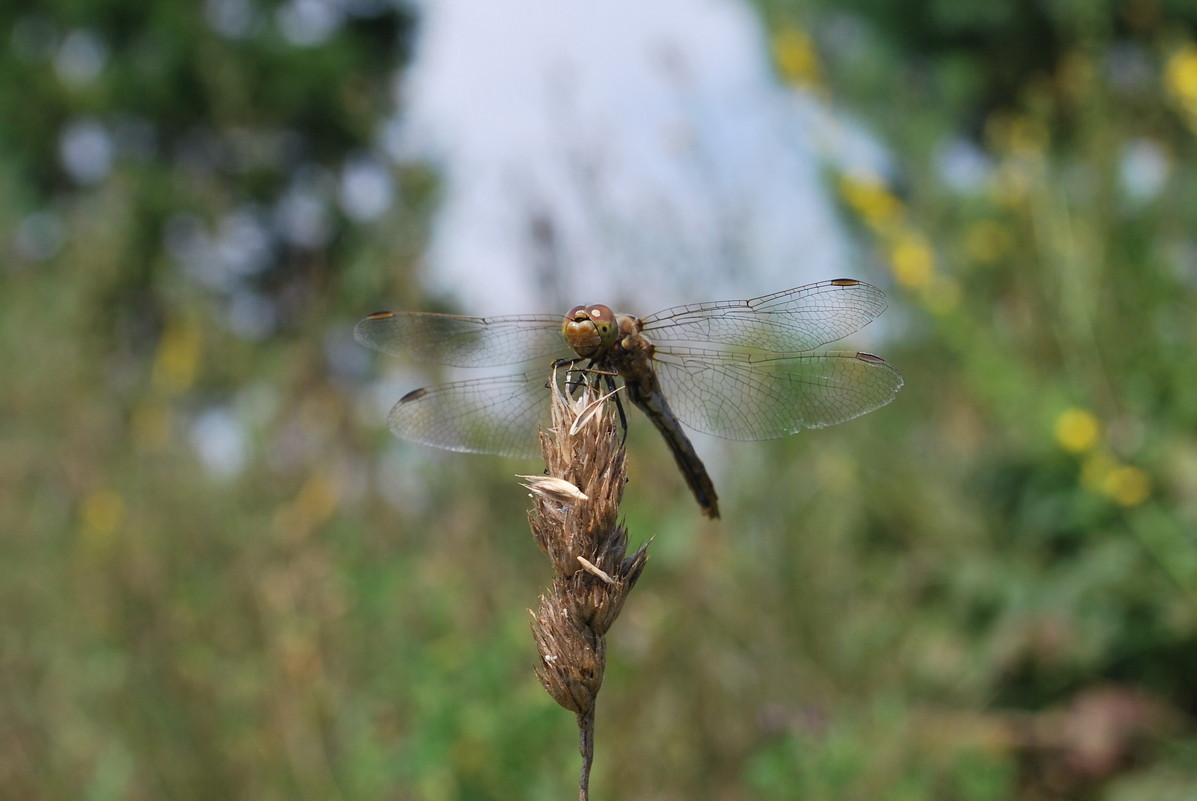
pixel 736 369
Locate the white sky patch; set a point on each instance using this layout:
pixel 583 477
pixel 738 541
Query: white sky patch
pixel 636 154
pixel 366 189
pixel 85 149
pixel 1144 168
pixel 221 442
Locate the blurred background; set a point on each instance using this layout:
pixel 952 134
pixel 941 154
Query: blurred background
pixel 222 577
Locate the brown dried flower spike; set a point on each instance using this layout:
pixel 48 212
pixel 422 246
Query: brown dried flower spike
pixel 574 521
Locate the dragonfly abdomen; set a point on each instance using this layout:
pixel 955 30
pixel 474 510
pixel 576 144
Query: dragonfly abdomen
pixel 632 360
pixel 693 470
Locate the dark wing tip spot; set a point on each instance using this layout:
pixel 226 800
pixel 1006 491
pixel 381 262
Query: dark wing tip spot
pixel 870 358
pixel 845 282
pixel 380 315
pixel 414 395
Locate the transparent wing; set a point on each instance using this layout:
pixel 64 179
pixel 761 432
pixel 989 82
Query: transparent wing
pixel 755 396
pixel 793 320
pixel 485 415
pixel 463 341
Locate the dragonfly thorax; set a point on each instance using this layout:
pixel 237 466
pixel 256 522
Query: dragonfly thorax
pixel 590 330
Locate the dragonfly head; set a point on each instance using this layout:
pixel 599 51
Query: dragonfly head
pixel 590 330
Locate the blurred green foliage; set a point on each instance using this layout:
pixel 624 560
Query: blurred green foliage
pixel 986 591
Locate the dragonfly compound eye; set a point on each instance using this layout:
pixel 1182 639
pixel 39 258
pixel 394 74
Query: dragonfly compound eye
pixel 589 330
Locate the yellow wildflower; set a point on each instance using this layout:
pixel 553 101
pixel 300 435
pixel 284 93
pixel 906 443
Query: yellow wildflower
pixel 795 56
pixel 912 260
pixel 1127 485
pixel 1077 430
pixel 872 200
pixel 1180 79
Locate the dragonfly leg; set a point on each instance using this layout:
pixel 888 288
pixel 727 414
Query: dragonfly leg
pixel 569 363
pixel 596 379
pixel 576 378
pixel 623 418
pixel 589 377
